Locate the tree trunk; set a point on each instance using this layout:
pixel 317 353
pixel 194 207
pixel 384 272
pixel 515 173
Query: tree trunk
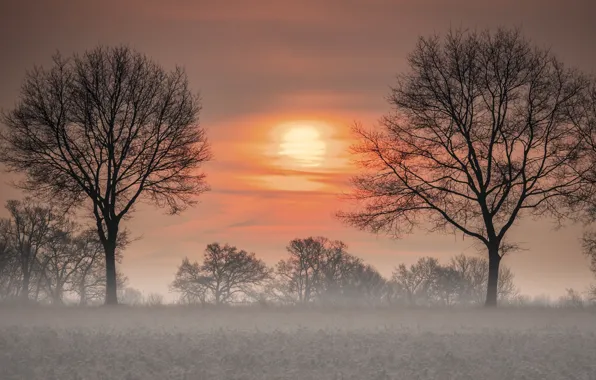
pixel 58 295
pixel 307 289
pixel 83 294
pixel 38 290
pixel 494 259
pixel 411 301
pixel 25 286
pixel 111 283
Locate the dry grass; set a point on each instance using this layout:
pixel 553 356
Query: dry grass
pixel 190 343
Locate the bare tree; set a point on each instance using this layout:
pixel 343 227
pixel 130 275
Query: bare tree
pixel 363 283
pixel 586 125
pixel 480 135
pixel 447 286
pixel 10 279
pixel 225 273
pixel 333 269
pixel 416 281
pixel 473 272
pixel 583 114
pixel 190 283
pixel 461 281
pixel 131 296
pixel 154 299
pixel 585 122
pixel 589 249
pixel 572 299
pixel 321 270
pixel 45 250
pixel 61 259
pixel 106 129
pixel 315 263
pixel 89 278
pixel 29 232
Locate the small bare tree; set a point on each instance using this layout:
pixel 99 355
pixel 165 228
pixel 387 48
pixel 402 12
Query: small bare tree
pixel 589 249
pixel 61 259
pixel 30 228
pixel 106 129
pixel 416 281
pixel 190 283
pixel 154 299
pixel 474 274
pixel 319 269
pixel 225 273
pixel 10 279
pixel 480 135
pixel 89 278
pixel 131 296
pixel 314 263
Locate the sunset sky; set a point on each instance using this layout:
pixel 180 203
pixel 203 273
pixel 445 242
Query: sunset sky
pixel 281 83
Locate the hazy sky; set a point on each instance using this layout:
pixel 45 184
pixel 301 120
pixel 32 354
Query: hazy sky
pixel 262 64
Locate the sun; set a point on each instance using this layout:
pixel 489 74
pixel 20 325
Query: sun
pixel 303 145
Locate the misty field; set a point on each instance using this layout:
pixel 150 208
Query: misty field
pixel 252 343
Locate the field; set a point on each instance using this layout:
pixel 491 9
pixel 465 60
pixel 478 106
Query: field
pixel 252 343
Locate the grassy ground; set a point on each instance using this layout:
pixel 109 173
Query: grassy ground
pixel 191 343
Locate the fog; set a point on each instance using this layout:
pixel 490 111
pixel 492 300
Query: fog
pixel 295 343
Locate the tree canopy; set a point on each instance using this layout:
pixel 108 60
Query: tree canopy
pixel 105 129
pixel 481 133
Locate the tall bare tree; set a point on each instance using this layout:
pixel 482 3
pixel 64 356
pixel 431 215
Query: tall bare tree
pixel 479 136
pixel 104 130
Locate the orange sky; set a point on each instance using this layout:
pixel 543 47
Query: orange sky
pixel 259 64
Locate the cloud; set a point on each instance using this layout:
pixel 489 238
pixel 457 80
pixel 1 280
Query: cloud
pixel 245 223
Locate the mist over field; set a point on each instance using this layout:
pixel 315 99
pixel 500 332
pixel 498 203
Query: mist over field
pixel 293 343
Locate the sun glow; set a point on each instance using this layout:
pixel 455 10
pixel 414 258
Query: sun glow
pixel 303 144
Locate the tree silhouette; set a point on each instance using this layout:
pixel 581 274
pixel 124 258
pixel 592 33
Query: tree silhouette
pixel 463 280
pixel 305 272
pixel 416 281
pixel 480 135
pixel 89 278
pixel 29 230
pixel 321 270
pixel 10 278
pixel 473 272
pixel 225 273
pixel 585 121
pixel 60 260
pixel 107 129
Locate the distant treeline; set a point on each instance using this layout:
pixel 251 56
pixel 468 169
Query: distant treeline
pixel 47 258
pixel 320 271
